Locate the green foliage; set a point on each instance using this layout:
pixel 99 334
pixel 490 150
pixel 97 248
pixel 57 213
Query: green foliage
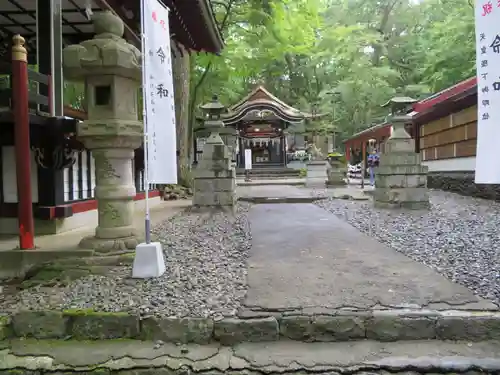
pixel 342 58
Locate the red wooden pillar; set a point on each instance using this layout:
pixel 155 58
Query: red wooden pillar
pixel 347 151
pixel 22 142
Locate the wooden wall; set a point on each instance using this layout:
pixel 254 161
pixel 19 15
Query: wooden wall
pixel 453 136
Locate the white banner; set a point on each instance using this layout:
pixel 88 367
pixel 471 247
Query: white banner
pixel 488 90
pixel 248 158
pixel 158 91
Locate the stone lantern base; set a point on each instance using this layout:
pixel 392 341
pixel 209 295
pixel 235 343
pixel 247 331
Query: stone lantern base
pixel 109 245
pixel 215 178
pixel 336 174
pixel 401 180
pixel 316 175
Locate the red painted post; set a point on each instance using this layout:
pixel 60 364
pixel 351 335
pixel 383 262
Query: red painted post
pixel 22 142
pixel 347 146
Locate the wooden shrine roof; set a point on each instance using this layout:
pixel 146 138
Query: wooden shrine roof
pixel 192 23
pixel 260 104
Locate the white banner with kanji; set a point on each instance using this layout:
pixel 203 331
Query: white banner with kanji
pixel 158 91
pixel 488 90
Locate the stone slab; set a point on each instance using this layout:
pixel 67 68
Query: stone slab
pixel 303 256
pixel 137 357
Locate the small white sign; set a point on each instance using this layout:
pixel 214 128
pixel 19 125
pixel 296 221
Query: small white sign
pixel 158 91
pixel 488 90
pixel 248 158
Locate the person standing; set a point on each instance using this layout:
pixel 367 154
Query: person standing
pixel 373 162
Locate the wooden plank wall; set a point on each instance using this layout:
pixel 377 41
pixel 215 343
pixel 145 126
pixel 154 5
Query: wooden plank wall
pixel 453 136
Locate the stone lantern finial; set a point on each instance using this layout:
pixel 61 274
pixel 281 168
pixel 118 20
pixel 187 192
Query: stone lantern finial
pixel 108 25
pixel 398 117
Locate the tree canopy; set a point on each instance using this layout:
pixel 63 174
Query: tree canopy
pixel 345 57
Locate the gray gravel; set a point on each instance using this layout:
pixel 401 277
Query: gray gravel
pixel 459 237
pixel 206 274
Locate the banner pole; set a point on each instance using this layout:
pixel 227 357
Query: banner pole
pixel 147 222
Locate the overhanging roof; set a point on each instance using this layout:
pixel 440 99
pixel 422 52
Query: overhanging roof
pixel 192 23
pixel 453 99
pixel 445 94
pixel 19 17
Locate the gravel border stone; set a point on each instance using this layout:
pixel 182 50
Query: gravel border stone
pixel 383 325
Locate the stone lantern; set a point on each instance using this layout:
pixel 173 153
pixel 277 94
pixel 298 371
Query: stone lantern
pixel 227 134
pixel 337 170
pixel 214 178
pixel 401 180
pixel 111 70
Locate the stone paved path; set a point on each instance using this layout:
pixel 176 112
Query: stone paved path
pixel 303 256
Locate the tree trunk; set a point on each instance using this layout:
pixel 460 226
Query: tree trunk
pixel 180 70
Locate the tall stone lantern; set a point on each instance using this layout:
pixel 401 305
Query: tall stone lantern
pixel 214 178
pixel 401 179
pixel 111 70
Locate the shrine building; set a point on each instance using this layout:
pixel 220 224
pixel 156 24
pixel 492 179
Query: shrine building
pixel 260 121
pixel 63 177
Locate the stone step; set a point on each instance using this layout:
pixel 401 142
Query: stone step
pixel 127 357
pixel 249 325
pixel 291 172
pixel 271 173
pixel 270 177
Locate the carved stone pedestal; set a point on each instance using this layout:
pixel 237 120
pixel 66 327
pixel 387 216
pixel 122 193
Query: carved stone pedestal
pixel 115 192
pixel 110 68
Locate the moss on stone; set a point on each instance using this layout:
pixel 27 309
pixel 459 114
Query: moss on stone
pixel 39 324
pixel 88 324
pixel 5 327
pixel 91 312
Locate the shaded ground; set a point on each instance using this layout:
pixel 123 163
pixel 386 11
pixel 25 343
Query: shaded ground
pixel 303 256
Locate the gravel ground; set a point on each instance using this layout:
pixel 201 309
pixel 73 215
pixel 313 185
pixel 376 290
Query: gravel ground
pixel 459 237
pixel 206 274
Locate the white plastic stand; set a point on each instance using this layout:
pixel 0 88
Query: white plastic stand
pixel 149 261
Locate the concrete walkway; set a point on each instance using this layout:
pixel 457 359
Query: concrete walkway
pixel 304 257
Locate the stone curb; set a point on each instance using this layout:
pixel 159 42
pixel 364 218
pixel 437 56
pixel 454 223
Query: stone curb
pixel 274 183
pixel 263 200
pixel 382 325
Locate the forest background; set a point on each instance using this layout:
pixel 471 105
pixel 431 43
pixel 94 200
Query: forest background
pixel 340 57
